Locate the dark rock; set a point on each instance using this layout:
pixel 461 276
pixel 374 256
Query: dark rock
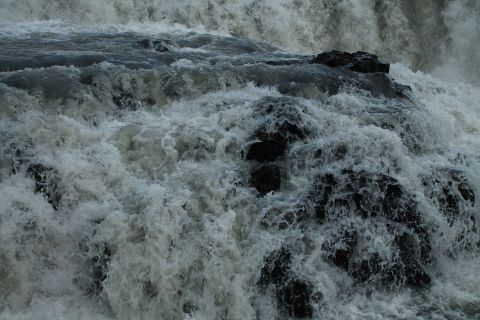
pixel 451 192
pixel 100 269
pixel 317 297
pixel 466 191
pixel 320 213
pixel 189 308
pixel 392 275
pixel 295 296
pixel 363 205
pixel 268 150
pixel 341 256
pixel 408 271
pixel 46 180
pixel 124 94
pixel 368 195
pixel 149 290
pixel 416 276
pixel 266 178
pixel 340 152
pixel 145 44
pixel 409 254
pixel 150 101
pixel 291 131
pixel 285 129
pixel 149 44
pixel 284 117
pixel 276 268
pixel 15 156
pixel 324 187
pixel 358 61
pixel 367 269
pixel 341 203
pixel 86 78
pixel 159 47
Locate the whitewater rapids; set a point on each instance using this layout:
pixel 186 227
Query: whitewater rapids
pixel 147 211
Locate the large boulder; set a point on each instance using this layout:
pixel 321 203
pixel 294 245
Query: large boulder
pixel 266 178
pixel 359 61
pixel 294 294
pixel 276 268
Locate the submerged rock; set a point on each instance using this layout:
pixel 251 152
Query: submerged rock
pixel 359 61
pixel 276 268
pixel 409 253
pixel 46 180
pixel 381 199
pixel 367 269
pixel 149 44
pixel 145 44
pixel 451 191
pixel 283 124
pixel 295 297
pixel 344 249
pixel 324 189
pixel 100 268
pixel 266 150
pixel 266 178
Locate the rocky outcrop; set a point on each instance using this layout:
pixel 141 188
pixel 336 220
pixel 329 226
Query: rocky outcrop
pixel 294 294
pixel 283 124
pixel 359 61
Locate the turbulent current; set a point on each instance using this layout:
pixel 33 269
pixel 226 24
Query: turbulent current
pixel 198 160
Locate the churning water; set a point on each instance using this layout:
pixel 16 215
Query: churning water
pixel 128 166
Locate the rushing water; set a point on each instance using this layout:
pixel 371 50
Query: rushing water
pixel 125 190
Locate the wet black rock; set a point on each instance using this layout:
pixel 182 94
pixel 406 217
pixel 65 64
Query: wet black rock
pixel 15 155
pixel 150 291
pixel 124 94
pixel 359 61
pixel 295 297
pixel 286 116
pixel 266 178
pixel 371 196
pixel 267 150
pixel 410 255
pixel 149 44
pixel 282 126
pixel 145 44
pixel 407 271
pixel 276 268
pixel 341 249
pixel 451 191
pixel 367 268
pixel 100 268
pixel 46 182
pixel 324 188
pixel 293 294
